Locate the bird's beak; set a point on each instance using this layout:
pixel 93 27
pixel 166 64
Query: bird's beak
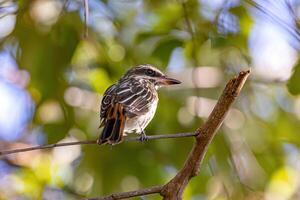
pixel 168 81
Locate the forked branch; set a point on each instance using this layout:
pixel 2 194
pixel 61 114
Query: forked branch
pixel 174 189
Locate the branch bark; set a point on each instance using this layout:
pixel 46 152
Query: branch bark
pixel 174 189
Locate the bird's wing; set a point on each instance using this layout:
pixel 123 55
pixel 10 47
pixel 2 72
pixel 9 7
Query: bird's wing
pixel 136 96
pixel 106 103
pixel 124 100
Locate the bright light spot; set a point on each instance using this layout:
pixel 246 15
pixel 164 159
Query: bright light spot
pixel 16 104
pixel 50 192
pixel 209 8
pixel 170 171
pixel 73 96
pixel 297 12
pixel 10 72
pixel 82 98
pixel 66 155
pixel 176 62
pixel 235 119
pixel 200 77
pixel 104 26
pixel 61 173
pixel 129 183
pixel 16 182
pixel 20 77
pixel 191 104
pixel 50 112
pixel 116 52
pixel 200 106
pixel 25 160
pixel 9 180
pixel 273 57
pixel 46 12
pixel 8 64
pixel 86 52
pixel 207 77
pixel 261 105
pixel 7 25
pixel 283 184
pixel 184 117
pixel 84 182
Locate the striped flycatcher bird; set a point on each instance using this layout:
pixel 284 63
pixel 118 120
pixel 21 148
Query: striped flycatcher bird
pixel 129 105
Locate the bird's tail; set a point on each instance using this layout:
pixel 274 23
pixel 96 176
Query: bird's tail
pixel 114 125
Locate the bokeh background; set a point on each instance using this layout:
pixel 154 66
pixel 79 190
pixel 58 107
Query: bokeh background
pixel 52 79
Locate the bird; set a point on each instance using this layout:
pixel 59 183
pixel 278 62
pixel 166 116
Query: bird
pixel 130 104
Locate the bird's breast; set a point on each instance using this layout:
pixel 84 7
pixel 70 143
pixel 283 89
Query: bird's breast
pixel 138 123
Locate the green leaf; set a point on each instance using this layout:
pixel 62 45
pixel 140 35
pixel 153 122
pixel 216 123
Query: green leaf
pixel 294 82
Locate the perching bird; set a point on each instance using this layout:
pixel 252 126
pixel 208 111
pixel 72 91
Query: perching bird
pixel 129 105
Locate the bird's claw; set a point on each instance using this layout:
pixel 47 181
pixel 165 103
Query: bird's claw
pixel 143 137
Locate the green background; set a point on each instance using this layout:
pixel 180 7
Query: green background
pixel 255 155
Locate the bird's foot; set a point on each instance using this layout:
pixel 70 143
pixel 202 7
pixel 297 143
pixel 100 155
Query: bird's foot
pixel 143 137
pixel 100 142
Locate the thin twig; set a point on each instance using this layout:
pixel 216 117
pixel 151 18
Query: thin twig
pixel 190 30
pixel 165 136
pixel 86 17
pixel 136 193
pixel 49 146
pixel 187 19
pixel 64 8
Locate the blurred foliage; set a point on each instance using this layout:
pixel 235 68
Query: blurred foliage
pixel 293 84
pixel 255 154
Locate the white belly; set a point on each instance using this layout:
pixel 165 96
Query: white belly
pixel 138 124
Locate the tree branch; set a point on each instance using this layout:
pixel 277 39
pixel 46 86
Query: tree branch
pixel 136 193
pixel 174 189
pixel 49 146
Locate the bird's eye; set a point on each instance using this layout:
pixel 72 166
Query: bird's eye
pixel 150 72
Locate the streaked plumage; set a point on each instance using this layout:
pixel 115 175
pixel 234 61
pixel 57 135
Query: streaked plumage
pixel 129 105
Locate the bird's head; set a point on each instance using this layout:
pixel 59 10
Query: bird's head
pixel 152 74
